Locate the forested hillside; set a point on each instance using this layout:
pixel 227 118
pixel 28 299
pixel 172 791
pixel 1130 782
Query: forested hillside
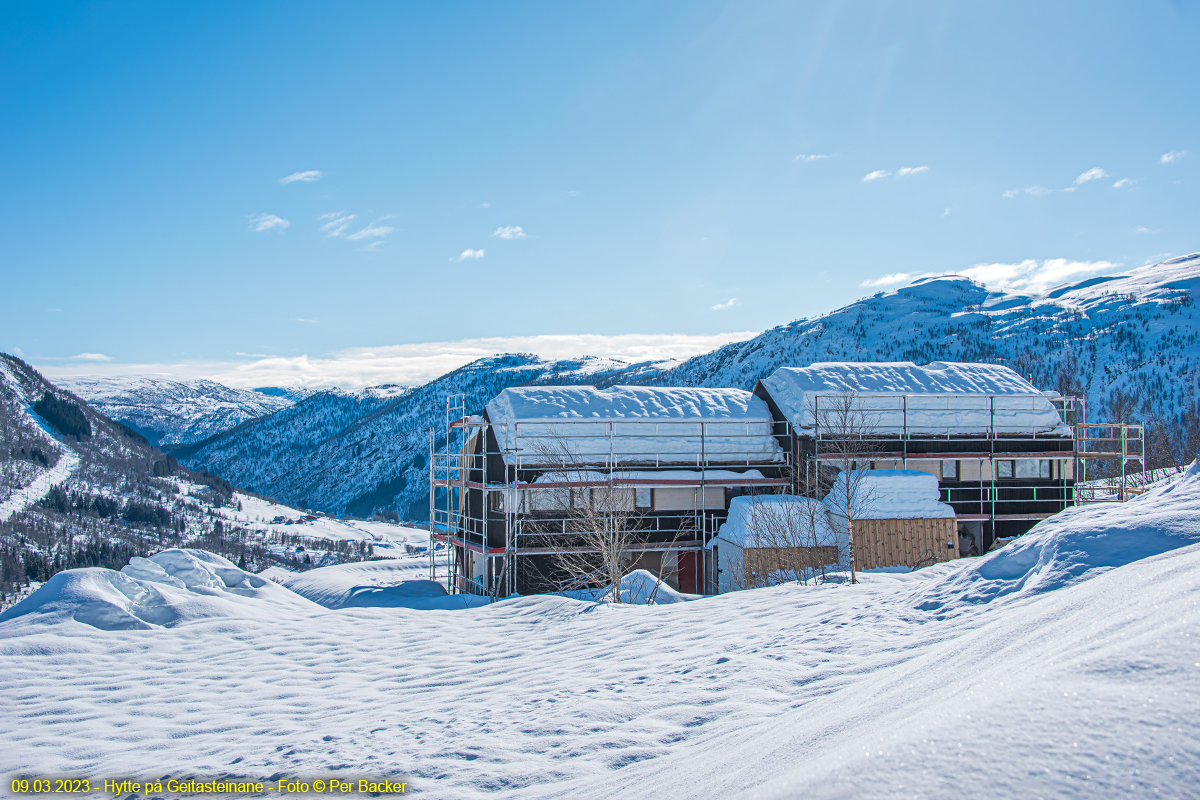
pixel 1128 344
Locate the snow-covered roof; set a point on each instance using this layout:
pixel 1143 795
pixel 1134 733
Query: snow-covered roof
pixel 778 520
pixel 941 398
pixel 887 494
pixel 636 424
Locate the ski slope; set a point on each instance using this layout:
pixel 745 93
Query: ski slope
pixel 1066 664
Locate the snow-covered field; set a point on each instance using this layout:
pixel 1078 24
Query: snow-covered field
pixel 1066 664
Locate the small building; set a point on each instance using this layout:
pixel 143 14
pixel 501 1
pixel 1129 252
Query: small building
pixel 510 490
pixel 896 519
pixel 999 449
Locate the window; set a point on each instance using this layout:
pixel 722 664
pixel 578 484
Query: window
pixel 1035 468
pixel 950 470
pixel 644 498
pixel 1004 469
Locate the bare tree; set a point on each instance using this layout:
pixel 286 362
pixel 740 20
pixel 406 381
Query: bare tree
pixel 847 439
pixel 600 533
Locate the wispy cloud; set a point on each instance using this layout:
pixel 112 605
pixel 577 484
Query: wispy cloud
pixel 889 280
pixel 510 232
pixel 1174 155
pixel 469 255
pixel 722 306
pixel 302 319
pixel 408 364
pixel 1123 183
pixel 266 222
pixel 1143 229
pixel 911 170
pixel 812 157
pixel 1038 191
pixel 1093 174
pixel 876 175
pixel 946 213
pixel 308 176
pixel 54 309
pixel 91 357
pixel 1011 193
pixel 372 231
pixel 337 222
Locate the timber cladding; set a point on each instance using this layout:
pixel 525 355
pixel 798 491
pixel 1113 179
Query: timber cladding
pixel 904 542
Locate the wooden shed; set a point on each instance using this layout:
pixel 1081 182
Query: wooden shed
pixel 904 542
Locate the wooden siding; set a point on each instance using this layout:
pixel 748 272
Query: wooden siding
pixel 904 542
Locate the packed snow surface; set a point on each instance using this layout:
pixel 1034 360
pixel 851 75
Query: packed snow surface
pixel 1065 664
pixel 638 424
pixel 887 494
pixel 898 397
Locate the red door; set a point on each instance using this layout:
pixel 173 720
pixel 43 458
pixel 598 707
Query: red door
pixel 689 572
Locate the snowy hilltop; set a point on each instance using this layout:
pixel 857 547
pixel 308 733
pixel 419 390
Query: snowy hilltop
pixel 177 412
pixel 1127 343
pixel 1061 665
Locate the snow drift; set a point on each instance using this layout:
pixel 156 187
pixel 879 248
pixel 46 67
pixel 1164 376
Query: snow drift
pixel 168 588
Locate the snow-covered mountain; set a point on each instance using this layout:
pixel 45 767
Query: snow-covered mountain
pixel 178 412
pixel 1127 343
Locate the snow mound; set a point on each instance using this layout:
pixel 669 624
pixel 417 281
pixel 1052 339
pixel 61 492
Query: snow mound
pixel 639 588
pixel 1078 544
pixel 393 583
pixel 167 589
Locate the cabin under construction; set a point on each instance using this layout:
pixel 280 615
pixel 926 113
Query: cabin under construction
pixel 511 488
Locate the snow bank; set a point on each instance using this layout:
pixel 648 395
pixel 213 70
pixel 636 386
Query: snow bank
pixel 394 583
pixel 1078 543
pixel 169 588
pixel 650 424
pixel 938 398
pixel 887 494
pixel 790 516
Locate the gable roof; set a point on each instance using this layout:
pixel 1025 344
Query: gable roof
pixel 940 398
pixel 638 424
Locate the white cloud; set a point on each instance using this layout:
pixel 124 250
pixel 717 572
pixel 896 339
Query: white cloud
pixel 54 309
pixel 876 175
pixel 911 170
pixel 1144 230
pixel 510 232
pixel 372 231
pixel 1174 155
pixel 408 364
pixel 307 176
pixel 889 280
pixel 18 352
pixel 91 357
pixel 812 157
pixel 946 213
pixel 265 222
pixel 337 222
pixel 1029 276
pixel 722 306
pixel 1095 173
pixel 1033 277
pixel 1123 182
pixel 1038 191
pixel 1011 193
pixel 302 319
pixel 469 254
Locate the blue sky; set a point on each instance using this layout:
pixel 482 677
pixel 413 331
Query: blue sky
pixel 488 171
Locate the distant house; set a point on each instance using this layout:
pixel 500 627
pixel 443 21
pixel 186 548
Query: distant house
pixel 506 489
pixel 1000 450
